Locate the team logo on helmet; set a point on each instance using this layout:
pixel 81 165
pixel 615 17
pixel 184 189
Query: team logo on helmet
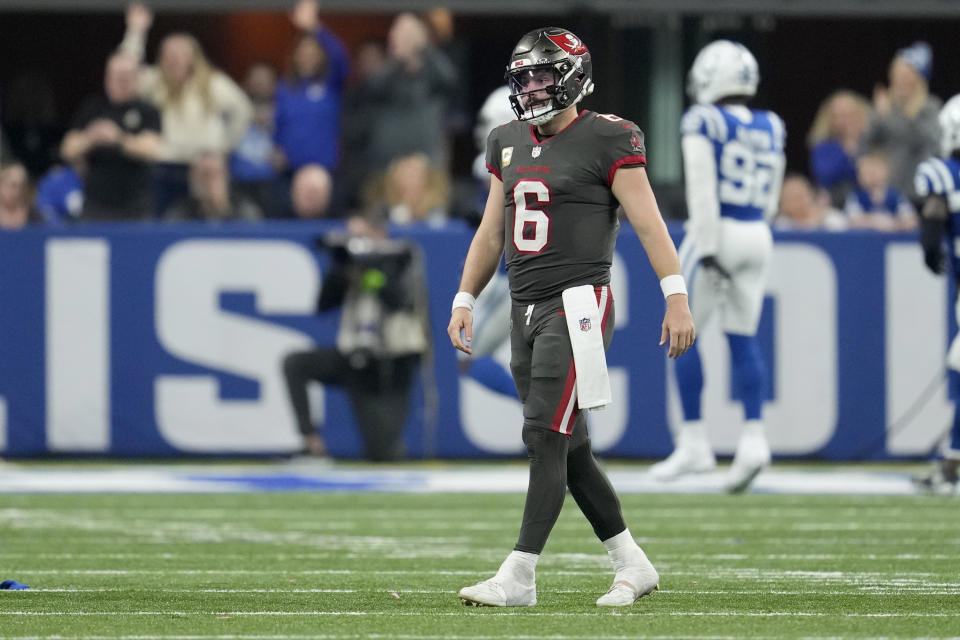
pixel 585 324
pixel 569 43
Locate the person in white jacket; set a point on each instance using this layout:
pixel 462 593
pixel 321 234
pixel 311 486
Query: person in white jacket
pixel 202 109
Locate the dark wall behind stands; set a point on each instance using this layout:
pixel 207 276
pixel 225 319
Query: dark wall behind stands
pixel 802 60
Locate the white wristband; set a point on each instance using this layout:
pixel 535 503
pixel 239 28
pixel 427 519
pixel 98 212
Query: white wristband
pixel 465 300
pixel 673 284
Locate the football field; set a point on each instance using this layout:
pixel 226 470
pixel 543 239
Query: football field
pixel 292 565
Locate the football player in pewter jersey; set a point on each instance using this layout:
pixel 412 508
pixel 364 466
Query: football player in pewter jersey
pixel 558 174
pixel 733 164
pixel 937 182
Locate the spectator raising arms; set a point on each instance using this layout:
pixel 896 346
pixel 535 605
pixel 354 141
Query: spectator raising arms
pixel 202 109
pixel 309 99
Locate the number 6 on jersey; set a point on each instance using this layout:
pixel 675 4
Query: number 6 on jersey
pixel 531 225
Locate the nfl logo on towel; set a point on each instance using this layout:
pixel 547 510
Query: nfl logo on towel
pixel 584 324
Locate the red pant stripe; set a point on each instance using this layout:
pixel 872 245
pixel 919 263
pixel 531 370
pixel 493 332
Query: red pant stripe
pixel 568 409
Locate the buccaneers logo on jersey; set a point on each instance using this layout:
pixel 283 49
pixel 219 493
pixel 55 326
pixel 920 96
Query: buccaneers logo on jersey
pixel 569 43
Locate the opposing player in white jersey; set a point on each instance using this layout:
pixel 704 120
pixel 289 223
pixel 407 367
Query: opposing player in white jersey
pixel 937 182
pixel 733 164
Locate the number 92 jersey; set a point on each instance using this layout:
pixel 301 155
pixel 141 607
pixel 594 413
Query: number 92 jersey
pixel 748 152
pixel 560 220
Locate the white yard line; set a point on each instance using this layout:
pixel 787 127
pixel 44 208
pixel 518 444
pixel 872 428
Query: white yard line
pixel 490 612
pixel 555 558
pixel 860 591
pixel 392 636
pixel 714 573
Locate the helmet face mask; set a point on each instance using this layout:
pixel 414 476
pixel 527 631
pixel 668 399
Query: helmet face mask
pixel 722 69
pixel 549 70
pixel 531 94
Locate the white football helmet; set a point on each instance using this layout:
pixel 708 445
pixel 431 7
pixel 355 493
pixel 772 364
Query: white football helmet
pixel 723 68
pixel 950 126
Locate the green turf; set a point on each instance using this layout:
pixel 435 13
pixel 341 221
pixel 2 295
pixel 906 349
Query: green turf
pixel 388 566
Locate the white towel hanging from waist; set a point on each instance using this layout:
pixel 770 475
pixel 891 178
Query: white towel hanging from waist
pixel 584 320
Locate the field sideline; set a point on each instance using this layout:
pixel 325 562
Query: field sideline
pixel 332 565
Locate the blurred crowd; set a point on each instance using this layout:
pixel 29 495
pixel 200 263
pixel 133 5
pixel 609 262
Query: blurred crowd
pixel 338 133
pixel 864 153
pixel 176 138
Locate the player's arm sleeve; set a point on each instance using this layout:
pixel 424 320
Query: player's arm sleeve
pixel 931 179
pixel 622 145
pixel 700 186
pixel 493 155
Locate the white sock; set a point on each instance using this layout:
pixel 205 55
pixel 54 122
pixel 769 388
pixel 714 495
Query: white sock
pixel 622 549
pixel 753 428
pixel 694 430
pixel 520 566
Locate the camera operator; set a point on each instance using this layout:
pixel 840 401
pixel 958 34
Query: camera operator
pixel 381 285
